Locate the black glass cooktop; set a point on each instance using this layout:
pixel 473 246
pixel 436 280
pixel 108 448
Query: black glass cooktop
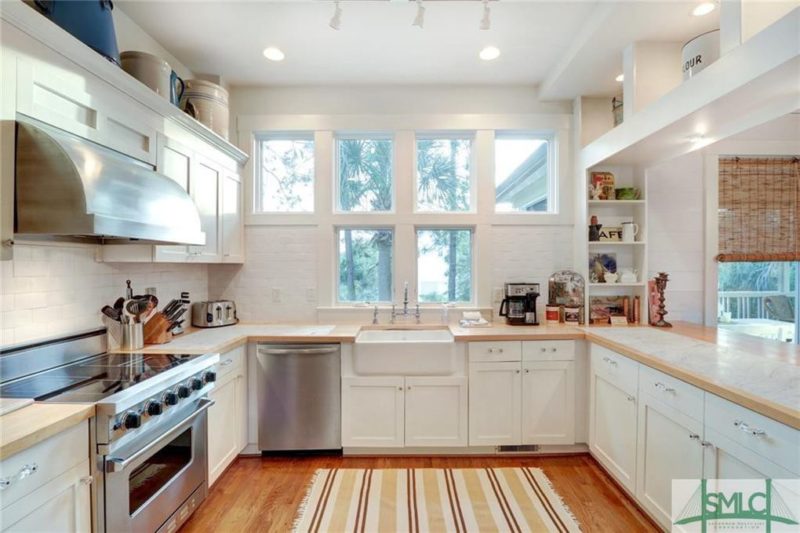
pixel 93 379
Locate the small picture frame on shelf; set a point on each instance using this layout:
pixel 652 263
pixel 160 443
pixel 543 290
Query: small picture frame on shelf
pixel 611 234
pixel 604 182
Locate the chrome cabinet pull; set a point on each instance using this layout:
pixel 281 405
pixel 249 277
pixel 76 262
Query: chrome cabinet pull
pixel 706 444
pixel 631 399
pixel 694 436
pixel 400 388
pixel 755 432
pixel 663 388
pixel 544 350
pixel 88 480
pixel 25 471
pixel 527 370
pixel 226 362
pixel 610 361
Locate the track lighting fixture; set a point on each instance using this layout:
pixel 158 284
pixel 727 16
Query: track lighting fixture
pixel 419 20
pixel 486 21
pixel 336 19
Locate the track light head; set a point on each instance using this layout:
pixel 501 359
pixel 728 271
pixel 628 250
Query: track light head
pixel 486 21
pixel 336 19
pixel 419 20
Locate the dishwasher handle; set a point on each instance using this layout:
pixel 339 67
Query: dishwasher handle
pixel 300 351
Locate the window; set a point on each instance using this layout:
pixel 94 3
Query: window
pixel 522 174
pixel 365 264
pixel 443 174
pixel 444 265
pixel 285 175
pixel 364 168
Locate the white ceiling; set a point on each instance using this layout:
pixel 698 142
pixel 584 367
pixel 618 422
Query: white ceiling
pixel 570 47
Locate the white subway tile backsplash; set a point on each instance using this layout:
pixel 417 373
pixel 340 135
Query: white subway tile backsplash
pixel 52 290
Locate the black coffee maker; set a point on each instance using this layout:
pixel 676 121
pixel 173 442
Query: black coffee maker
pixel 519 304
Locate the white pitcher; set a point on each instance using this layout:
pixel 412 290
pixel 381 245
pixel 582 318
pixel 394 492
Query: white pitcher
pixel 629 231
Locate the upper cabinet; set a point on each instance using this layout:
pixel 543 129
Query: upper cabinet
pixel 52 77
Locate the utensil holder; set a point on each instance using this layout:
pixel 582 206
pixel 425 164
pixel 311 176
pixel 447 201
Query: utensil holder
pixel 132 336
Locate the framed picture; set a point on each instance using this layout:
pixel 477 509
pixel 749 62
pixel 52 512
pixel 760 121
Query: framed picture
pixel 605 181
pixel 602 308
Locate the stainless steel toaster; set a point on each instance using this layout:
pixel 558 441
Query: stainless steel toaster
pixel 214 314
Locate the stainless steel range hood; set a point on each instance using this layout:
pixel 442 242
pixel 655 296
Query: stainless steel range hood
pixel 70 187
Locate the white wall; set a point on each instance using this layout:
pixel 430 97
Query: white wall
pixel 676 233
pixel 130 36
pixel 49 290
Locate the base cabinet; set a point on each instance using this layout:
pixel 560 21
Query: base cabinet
pixel 387 412
pixel 670 446
pixel 612 429
pixel 227 418
pixel 495 403
pixel 548 402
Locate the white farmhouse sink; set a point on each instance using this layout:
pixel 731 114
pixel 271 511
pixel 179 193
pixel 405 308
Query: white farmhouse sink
pixel 406 352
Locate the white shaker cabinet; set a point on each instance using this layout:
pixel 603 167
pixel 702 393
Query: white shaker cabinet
pixel 373 411
pixel 436 411
pixel 175 162
pixel 548 402
pixel 670 446
pixel 204 188
pixel 227 418
pixel 47 487
pixel 232 219
pixel 495 402
pixel 612 414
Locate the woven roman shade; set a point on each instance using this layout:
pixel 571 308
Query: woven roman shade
pixel 759 209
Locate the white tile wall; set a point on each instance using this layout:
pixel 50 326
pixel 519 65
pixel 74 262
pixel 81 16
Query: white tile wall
pixel 280 263
pixel 50 290
pixel 676 233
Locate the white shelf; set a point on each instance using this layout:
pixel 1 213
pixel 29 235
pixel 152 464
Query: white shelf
pixel 750 85
pixel 608 285
pixel 616 243
pixel 616 203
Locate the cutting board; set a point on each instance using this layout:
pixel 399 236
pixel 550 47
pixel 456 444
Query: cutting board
pixel 7 405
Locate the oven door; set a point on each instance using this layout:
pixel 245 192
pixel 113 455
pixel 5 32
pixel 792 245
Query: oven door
pixel 146 485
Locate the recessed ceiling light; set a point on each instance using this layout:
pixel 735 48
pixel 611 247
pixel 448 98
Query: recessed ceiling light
pixel 489 53
pixel 704 9
pixel 620 78
pixel 274 54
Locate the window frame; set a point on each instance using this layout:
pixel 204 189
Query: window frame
pixel 258 139
pixel 468 135
pixel 337 228
pixel 553 192
pixel 473 261
pixel 381 135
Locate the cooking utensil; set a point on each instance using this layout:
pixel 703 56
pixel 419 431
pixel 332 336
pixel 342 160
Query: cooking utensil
pixel 110 312
pixel 176 315
pixel 128 290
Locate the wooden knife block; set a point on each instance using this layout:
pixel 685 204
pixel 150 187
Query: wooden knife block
pixel 156 330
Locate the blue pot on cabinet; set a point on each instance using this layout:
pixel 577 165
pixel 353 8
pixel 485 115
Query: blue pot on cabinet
pixel 88 20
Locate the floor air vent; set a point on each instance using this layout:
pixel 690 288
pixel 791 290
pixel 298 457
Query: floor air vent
pixel 526 448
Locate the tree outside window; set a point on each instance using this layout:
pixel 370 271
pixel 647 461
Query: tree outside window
pixel 444 265
pixel 286 175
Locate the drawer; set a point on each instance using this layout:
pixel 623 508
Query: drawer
pixel 673 392
pixel 495 351
pixel 615 368
pixel 30 469
pixel 231 362
pixel 766 437
pixel 548 350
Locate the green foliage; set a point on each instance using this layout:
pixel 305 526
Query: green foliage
pixel 750 276
pixel 455 247
pixel 288 169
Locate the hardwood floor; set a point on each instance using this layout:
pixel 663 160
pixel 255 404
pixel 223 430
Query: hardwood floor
pixel 263 493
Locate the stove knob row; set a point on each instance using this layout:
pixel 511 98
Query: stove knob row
pixel 154 408
pixel 132 420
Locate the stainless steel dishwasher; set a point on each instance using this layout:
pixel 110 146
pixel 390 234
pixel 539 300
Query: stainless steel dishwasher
pixel 299 397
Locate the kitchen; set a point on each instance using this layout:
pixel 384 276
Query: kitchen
pixel 284 281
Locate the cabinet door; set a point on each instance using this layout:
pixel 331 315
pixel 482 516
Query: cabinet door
pixel 373 412
pixel 63 504
pixel 548 402
pixel 669 447
pixel 204 185
pixel 436 411
pixel 495 398
pixel 223 434
pixel 175 162
pixel 232 223
pixel 612 429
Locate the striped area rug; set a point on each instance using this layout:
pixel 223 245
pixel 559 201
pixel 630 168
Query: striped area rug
pixel 429 499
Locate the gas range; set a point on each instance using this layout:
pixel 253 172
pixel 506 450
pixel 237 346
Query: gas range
pixel 132 392
pixel 148 437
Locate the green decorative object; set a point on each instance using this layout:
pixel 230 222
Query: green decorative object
pixel 628 193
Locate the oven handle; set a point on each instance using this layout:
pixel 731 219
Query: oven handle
pixel 300 351
pixel 118 464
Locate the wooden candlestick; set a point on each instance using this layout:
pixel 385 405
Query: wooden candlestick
pixel 661 287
